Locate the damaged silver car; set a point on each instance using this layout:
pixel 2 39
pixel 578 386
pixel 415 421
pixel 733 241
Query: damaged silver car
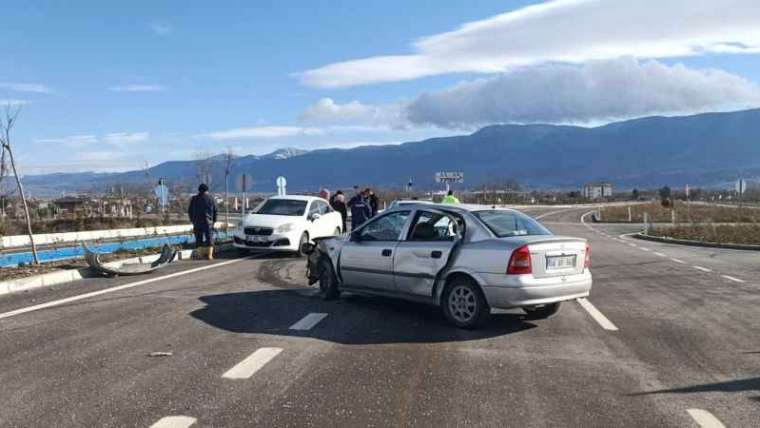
pixel 466 260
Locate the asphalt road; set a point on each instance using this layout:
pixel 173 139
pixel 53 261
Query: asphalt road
pixel 661 343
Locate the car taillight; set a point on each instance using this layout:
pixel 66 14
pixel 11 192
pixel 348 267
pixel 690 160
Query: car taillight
pixel 519 262
pixel 587 261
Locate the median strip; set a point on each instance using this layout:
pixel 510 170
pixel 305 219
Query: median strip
pixel 597 316
pixel 174 422
pixel 246 368
pixel 308 322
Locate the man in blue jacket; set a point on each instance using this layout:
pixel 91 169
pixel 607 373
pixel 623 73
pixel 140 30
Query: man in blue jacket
pixel 361 210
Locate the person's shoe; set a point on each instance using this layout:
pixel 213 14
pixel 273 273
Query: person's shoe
pixel 210 253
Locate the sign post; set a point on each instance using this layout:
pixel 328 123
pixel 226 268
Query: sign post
pixel 162 194
pixel 281 186
pixel 741 188
pixel 243 184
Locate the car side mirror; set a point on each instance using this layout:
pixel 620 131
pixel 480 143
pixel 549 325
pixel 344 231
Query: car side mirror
pixel 315 216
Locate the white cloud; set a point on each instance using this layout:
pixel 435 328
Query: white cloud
pixel 26 87
pixel 599 91
pixel 114 139
pixel 262 132
pixel 161 29
pixel 12 102
pixel 137 88
pixel 355 114
pixel 570 31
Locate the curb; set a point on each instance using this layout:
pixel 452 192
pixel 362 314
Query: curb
pixel 55 278
pixel 645 237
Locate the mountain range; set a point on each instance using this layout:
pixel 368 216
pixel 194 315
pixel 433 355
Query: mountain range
pixel 710 149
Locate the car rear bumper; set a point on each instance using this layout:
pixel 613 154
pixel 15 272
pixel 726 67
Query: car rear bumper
pixel 509 291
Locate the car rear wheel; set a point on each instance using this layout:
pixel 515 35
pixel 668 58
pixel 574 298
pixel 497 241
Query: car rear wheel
pixel 328 283
pixel 541 312
pixel 464 304
pixel 304 239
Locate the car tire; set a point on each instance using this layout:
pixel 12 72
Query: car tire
pixel 541 312
pixel 304 239
pixel 464 305
pixel 328 282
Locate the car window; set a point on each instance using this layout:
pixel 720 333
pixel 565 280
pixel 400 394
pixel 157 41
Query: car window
pixel 385 228
pixel 289 207
pixel 322 207
pixel 314 208
pixel 510 223
pixel 430 226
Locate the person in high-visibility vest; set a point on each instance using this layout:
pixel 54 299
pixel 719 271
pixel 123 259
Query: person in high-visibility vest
pixel 450 198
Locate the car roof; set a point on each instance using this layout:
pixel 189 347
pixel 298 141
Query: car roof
pixel 297 198
pixel 449 207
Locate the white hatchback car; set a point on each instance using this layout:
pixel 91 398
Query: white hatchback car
pixel 285 223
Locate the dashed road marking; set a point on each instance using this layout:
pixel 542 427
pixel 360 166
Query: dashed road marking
pixel 308 322
pixel 597 316
pixel 660 254
pixel 118 288
pixel 678 261
pixel 733 278
pixel 703 269
pixel 252 364
pixel 705 419
pixel 174 422
pixel 645 249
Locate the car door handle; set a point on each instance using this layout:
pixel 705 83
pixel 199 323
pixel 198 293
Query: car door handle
pixel 436 254
pixel 387 253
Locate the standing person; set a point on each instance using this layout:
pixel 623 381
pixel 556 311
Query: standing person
pixel 324 193
pixel 339 205
pixel 374 202
pixel 202 213
pixel 360 209
pixel 450 198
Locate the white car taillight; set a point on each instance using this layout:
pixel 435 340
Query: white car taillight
pixel 587 260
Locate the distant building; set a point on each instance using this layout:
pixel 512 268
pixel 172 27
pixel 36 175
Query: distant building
pixel 597 190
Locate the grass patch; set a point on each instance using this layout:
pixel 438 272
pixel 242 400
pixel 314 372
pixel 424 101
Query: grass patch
pixel 685 213
pixel 746 234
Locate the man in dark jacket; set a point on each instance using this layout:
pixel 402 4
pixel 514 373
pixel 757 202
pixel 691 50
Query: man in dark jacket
pixel 202 213
pixel 360 209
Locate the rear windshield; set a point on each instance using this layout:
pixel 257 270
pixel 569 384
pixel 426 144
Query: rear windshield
pixel 510 223
pixel 282 207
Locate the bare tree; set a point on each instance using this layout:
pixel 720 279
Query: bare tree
pixel 203 168
pixel 6 125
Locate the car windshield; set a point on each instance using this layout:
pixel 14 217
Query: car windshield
pixel 289 207
pixel 510 223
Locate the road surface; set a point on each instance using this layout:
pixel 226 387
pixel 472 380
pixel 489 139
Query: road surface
pixel 670 337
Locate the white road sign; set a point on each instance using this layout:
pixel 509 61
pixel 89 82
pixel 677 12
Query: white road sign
pixel 244 182
pixel 741 186
pixel 449 177
pixel 281 183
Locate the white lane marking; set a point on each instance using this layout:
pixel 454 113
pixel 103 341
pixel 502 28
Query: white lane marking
pixel 703 269
pixel 117 288
pixel 633 245
pixel 597 316
pixel 660 254
pixel 174 422
pixel 645 249
pixel 705 419
pixel 308 322
pixel 733 278
pixel 678 261
pixel 252 364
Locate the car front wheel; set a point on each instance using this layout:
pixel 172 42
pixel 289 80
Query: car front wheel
pixel 328 283
pixel 304 239
pixel 541 312
pixel 464 304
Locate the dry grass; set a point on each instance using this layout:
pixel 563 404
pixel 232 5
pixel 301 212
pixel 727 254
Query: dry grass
pixel 722 234
pixel 685 213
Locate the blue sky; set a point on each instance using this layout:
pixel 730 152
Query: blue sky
pixel 109 87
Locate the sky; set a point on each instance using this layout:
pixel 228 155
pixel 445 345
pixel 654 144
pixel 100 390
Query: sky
pixel 113 87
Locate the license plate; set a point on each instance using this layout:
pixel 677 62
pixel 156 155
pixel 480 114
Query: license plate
pixel 254 238
pixel 560 262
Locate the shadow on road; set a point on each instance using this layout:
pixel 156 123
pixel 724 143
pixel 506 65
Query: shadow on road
pixel 740 385
pixel 353 320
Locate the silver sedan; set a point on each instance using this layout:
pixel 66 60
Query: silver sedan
pixel 465 259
